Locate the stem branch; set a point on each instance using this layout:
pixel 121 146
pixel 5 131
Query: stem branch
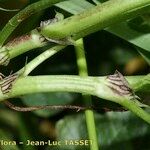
pixel 96 86
pixel 89 114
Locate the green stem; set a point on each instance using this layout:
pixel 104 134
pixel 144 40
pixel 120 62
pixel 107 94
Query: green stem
pixel 89 114
pixel 96 86
pixel 22 15
pixel 78 26
pixel 136 109
pixel 39 59
pixel 140 83
pixel 21 45
pixel 88 85
pixel 96 18
pixel 24 43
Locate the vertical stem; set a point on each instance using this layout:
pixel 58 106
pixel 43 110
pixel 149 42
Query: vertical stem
pixel 89 115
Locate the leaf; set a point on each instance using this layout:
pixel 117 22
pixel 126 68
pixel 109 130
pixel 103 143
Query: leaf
pixel 48 99
pixel 99 1
pixel 140 24
pixel 115 130
pixel 122 30
pixel 74 6
pixel 96 1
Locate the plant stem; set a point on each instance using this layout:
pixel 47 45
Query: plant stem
pixel 22 15
pixel 25 43
pixel 78 26
pixel 34 84
pixel 89 114
pixel 96 18
pixel 96 86
pixel 136 110
pixel 39 59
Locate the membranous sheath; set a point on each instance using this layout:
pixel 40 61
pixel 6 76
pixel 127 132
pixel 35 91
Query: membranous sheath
pixel 6 86
pixel 119 85
pixel 6 82
pixel 61 41
pixel 4 56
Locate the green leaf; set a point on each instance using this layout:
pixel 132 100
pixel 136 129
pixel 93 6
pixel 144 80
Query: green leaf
pixel 40 99
pixel 138 36
pixel 96 1
pixel 140 24
pixel 115 130
pixel 99 1
pixel 74 6
pixel 122 30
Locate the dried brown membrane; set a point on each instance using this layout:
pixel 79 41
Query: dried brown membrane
pixel 6 82
pixel 52 107
pixel 4 57
pixel 63 41
pixel 119 85
pixel 6 86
